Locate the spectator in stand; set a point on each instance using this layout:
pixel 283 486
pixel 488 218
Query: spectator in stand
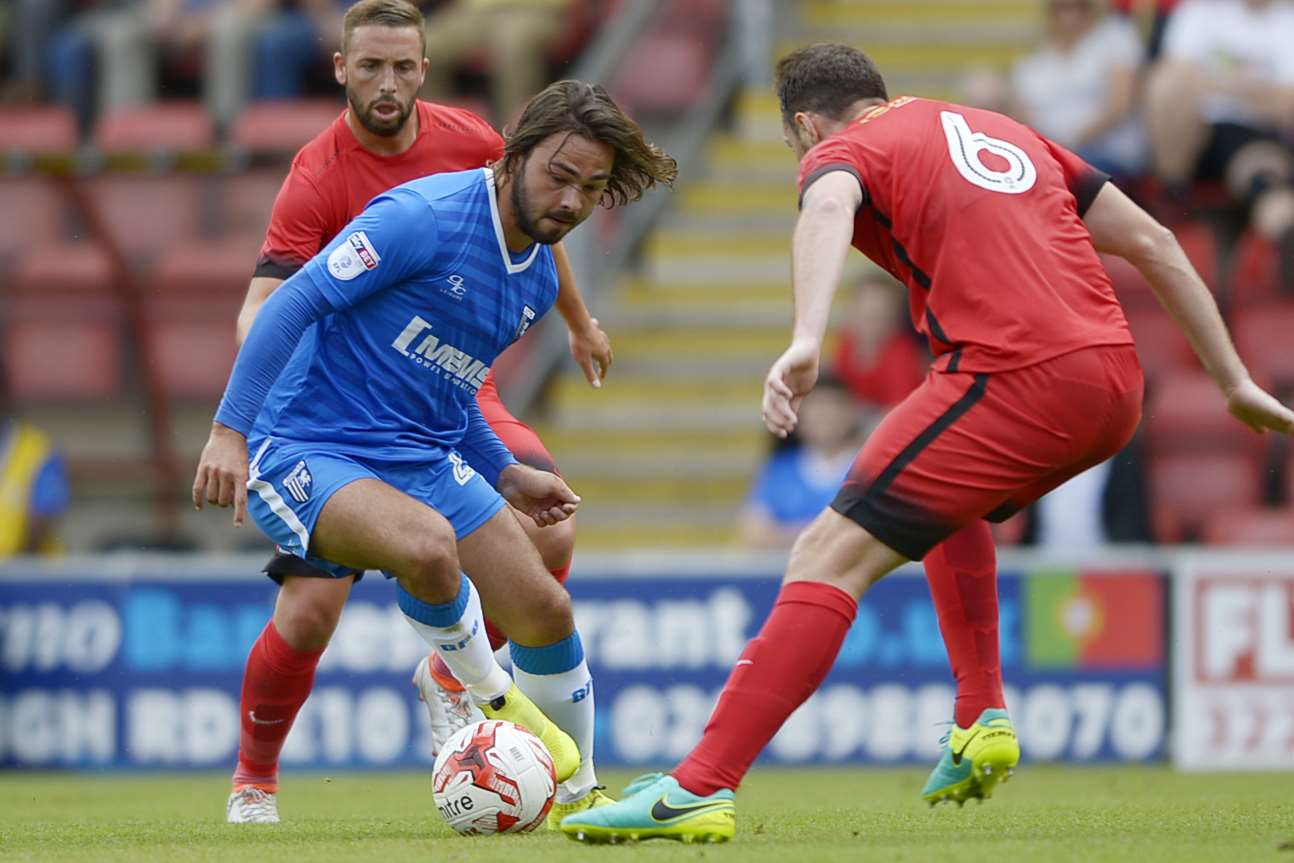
pixel 878 355
pixel 515 34
pixel 804 471
pixel 1080 87
pixel 1217 103
pixel 33 484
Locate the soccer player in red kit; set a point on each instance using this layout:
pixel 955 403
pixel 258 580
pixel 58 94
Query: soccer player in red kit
pixel 995 230
pixel 384 138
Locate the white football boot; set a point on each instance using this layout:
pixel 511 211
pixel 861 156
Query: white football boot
pixel 448 705
pixel 251 805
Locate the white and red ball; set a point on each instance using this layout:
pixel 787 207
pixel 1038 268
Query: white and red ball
pixel 494 777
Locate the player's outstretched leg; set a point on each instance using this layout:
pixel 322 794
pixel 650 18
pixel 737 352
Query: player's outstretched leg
pixel 975 759
pixel 832 564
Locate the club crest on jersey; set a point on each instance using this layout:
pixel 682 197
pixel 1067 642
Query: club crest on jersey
pixel 527 318
pixel 298 482
pixel 355 255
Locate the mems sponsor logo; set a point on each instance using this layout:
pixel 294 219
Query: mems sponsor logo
pixel 418 343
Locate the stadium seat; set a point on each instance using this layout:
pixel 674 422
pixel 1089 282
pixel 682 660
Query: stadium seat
pixel 191 303
pixel 1262 335
pixel 1254 273
pixel 1161 345
pixel 283 127
pixel 47 129
pixel 149 214
pixel 63 326
pixel 1186 491
pixel 1129 285
pixel 663 74
pixel 246 200
pixel 1250 526
pixel 163 127
pixel 1185 415
pixel 33 214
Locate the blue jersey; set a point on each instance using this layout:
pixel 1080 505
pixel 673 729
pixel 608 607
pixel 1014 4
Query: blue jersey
pixel 377 346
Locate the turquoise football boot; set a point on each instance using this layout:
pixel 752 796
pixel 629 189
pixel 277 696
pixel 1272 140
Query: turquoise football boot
pixel 974 760
pixel 656 807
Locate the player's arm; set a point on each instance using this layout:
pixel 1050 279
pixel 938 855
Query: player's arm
pixel 543 496
pixel 1120 227
pixel 818 249
pixel 589 344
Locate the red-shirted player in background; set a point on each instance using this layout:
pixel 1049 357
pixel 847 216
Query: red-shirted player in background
pixel 995 231
pixel 385 137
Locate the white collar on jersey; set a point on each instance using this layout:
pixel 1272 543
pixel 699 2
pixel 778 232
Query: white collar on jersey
pixel 492 192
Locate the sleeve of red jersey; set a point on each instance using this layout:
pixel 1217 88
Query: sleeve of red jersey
pixel 833 154
pixel 1083 180
pixel 298 228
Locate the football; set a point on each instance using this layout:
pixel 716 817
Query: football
pixel 494 777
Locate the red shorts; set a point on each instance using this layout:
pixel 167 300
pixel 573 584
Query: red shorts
pixel 968 445
pixel 516 435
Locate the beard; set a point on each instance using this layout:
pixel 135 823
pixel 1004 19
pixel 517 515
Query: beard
pixel 374 124
pixel 530 225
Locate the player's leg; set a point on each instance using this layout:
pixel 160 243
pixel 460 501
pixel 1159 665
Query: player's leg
pixel 278 678
pixel 832 563
pixel 547 656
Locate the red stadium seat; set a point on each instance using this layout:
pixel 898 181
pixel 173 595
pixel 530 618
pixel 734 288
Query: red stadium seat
pixel 1161 345
pixel 62 330
pixel 1261 337
pixel 283 127
pixel 1250 526
pixel 247 199
pixel 1254 273
pixel 1129 286
pixel 191 305
pixel 1186 415
pixel 1200 245
pixel 663 74
pixel 48 129
pixel 1186 491
pixel 167 126
pixel 33 213
pixel 148 214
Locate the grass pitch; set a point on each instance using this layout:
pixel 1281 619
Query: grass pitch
pixel 1046 813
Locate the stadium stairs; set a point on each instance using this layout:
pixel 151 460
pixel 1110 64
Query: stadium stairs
pixel 664 453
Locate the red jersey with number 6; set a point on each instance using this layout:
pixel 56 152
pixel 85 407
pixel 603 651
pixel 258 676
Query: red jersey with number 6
pixel 981 217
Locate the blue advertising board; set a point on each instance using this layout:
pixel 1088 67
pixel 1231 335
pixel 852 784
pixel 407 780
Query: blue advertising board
pixel 144 672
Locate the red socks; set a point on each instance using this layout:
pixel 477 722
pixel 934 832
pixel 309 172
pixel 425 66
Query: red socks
pixel 497 638
pixel 776 673
pixel 276 683
pixel 962 573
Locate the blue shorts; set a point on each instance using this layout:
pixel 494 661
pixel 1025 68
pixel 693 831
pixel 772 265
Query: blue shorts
pixel 291 481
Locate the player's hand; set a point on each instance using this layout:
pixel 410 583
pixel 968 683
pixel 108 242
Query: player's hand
pixel 543 496
pixel 222 472
pixel 1258 409
pixel 592 351
pixel 788 382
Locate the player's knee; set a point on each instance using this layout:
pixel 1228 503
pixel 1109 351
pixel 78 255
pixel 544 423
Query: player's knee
pixel 306 619
pixel 556 544
pixel 432 571
pixel 548 617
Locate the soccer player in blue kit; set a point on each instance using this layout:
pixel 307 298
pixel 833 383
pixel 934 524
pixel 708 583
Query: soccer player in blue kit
pixel 353 395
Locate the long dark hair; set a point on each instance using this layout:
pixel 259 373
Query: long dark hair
pixel 826 78
pixel 587 110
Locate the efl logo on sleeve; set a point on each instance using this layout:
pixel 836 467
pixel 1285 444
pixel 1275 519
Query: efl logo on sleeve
pixel 354 256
